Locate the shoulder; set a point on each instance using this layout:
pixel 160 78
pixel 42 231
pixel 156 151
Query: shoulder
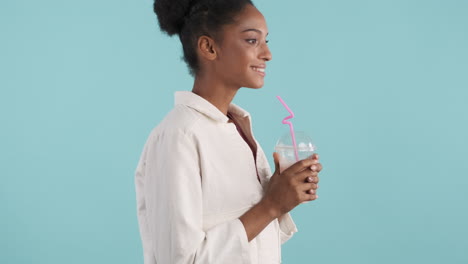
pixel 180 121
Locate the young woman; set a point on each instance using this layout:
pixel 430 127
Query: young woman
pixel 205 193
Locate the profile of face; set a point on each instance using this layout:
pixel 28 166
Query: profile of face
pixel 242 50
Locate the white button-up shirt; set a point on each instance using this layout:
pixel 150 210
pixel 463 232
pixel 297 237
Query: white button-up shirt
pixel 195 178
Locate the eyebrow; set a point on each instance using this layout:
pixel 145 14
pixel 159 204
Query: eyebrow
pixel 253 29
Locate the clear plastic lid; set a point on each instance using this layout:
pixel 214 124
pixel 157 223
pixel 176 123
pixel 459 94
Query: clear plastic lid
pixel 303 141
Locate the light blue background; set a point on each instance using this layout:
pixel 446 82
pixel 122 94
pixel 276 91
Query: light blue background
pixel 380 85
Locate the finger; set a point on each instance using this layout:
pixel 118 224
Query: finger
pixel 319 167
pixel 302 176
pixel 309 197
pixel 312 179
pixel 276 160
pixel 301 165
pixel 315 156
pixel 309 186
pixel 315 167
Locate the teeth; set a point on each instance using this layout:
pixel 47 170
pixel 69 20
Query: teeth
pixel 258 69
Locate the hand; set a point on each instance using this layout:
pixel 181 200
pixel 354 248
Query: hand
pixel 295 185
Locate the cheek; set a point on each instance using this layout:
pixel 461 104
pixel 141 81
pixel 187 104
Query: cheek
pixel 238 64
pixel 238 59
pixel 240 54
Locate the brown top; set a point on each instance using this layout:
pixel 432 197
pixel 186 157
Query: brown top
pixel 250 144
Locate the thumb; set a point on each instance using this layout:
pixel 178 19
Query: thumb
pixel 276 160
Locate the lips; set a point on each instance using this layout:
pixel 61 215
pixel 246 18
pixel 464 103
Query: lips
pixel 259 69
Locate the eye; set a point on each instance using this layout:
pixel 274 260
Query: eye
pixel 252 41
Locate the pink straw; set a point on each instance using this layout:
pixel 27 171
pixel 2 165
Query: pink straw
pixel 291 129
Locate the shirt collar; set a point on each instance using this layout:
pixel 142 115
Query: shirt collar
pixel 201 105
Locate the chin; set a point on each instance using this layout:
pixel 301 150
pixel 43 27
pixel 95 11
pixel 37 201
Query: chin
pixel 255 85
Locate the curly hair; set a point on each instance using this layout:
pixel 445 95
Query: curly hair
pixel 191 19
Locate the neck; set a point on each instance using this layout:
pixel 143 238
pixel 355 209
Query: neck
pixel 214 91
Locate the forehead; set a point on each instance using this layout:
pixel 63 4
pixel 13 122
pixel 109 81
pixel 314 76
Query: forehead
pixel 249 18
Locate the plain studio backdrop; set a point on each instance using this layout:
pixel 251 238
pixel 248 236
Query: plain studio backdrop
pixel 381 86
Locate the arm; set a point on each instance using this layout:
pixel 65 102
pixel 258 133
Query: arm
pixel 258 217
pixel 285 191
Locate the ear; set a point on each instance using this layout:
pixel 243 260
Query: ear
pixel 206 48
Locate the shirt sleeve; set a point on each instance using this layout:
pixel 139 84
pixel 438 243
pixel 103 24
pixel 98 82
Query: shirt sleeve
pixel 287 227
pixel 174 206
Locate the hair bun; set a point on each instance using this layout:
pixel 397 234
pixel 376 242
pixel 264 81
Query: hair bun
pixel 171 14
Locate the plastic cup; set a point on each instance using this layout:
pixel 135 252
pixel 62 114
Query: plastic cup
pixel 285 149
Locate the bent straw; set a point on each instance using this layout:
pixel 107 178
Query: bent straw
pixel 291 129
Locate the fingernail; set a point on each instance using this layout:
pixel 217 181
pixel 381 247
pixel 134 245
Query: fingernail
pixel 309 179
pixel 312 191
pixel 313 167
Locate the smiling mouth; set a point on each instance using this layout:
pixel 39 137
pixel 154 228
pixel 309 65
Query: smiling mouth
pixel 259 70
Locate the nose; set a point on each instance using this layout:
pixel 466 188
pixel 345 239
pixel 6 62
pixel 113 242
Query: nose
pixel 266 53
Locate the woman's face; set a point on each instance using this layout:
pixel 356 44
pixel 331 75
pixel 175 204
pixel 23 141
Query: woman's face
pixel 243 51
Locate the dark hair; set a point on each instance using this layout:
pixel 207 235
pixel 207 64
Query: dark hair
pixel 191 19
